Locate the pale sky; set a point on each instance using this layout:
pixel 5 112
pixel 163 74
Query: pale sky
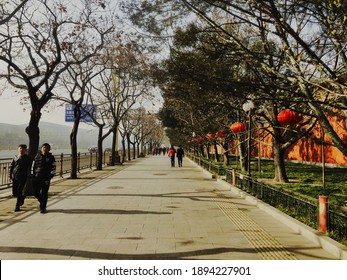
pixel 11 112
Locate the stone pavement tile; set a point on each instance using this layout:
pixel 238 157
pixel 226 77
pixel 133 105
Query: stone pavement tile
pixel 147 245
pixel 165 245
pixel 127 246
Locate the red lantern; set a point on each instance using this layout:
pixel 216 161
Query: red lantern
pixel 221 133
pixel 237 127
pixel 210 135
pixel 288 117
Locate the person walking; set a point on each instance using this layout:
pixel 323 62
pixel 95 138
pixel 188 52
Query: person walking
pixel 43 169
pixel 180 155
pixel 171 153
pixel 19 169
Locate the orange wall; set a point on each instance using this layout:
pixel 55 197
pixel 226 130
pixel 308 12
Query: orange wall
pixel 306 149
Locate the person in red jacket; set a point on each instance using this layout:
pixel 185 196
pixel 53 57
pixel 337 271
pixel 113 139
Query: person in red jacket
pixel 171 153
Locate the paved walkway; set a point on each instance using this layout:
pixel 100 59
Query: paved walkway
pixel 149 210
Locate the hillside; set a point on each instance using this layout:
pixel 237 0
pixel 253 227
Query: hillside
pixel 55 134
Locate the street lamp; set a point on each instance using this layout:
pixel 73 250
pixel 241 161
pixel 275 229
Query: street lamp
pixel 248 107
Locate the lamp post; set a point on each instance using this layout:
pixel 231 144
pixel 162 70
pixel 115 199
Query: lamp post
pixel 193 141
pixel 323 158
pixel 248 107
pixel 116 89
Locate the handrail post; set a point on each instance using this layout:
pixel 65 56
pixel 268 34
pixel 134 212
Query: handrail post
pixel 233 177
pixel 323 211
pixel 78 162
pixel 61 164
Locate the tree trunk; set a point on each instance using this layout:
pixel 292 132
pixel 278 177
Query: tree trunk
pixel 129 148
pixel 202 150
pixel 226 154
pixel 73 144
pixel 134 150
pixel 33 132
pixel 150 148
pixel 243 157
pixel 124 150
pixel 279 165
pixel 216 151
pixel 100 152
pixel 113 154
pixel 208 150
pixel 138 150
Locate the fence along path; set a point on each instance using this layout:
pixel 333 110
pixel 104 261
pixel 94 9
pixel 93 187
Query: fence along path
pixel 305 209
pixel 147 209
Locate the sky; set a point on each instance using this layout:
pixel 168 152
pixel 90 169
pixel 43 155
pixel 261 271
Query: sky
pixel 12 112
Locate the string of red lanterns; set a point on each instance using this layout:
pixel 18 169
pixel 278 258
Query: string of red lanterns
pixel 285 117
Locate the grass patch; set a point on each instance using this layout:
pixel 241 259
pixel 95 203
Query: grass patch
pixel 307 180
pixel 304 179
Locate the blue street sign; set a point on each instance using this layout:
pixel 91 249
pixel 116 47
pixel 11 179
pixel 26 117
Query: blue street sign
pixel 69 113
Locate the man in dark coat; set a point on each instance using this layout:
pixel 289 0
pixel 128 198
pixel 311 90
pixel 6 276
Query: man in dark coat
pixel 44 166
pixel 180 155
pixel 19 169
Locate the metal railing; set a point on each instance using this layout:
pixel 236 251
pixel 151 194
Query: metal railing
pixel 299 207
pixel 214 168
pixel 305 210
pixel 63 162
pixel 84 161
pixel 4 171
pixel 337 225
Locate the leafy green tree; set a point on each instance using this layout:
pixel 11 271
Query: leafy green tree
pixel 300 63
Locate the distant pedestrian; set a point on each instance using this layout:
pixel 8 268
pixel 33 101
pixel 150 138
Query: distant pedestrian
pixel 180 155
pixel 19 170
pixel 44 166
pixel 171 153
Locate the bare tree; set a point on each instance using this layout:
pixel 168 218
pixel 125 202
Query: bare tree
pixel 8 10
pixel 41 41
pixel 78 83
pixel 152 130
pixel 128 82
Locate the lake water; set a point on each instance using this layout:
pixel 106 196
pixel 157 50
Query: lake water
pixel 12 153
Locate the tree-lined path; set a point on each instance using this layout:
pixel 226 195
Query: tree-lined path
pixel 149 210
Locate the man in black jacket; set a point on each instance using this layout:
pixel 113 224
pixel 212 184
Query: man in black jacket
pixel 180 155
pixel 44 166
pixel 19 169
